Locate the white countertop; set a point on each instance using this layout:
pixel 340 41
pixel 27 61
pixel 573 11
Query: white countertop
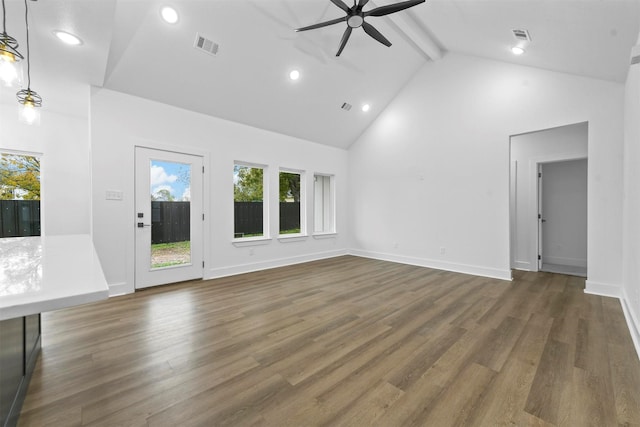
pixel 45 273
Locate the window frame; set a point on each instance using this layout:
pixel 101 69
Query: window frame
pixel 265 204
pixel 331 209
pixel 303 204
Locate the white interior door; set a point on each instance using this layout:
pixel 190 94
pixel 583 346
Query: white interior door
pixel 168 217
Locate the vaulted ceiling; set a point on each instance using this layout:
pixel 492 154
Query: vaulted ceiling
pixel 128 48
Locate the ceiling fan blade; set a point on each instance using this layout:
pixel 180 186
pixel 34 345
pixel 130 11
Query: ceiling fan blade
pixel 345 37
pixel 369 29
pixel 322 24
pixel 341 5
pixel 361 4
pixel 392 8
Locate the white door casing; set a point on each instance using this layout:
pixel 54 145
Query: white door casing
pixel 145 274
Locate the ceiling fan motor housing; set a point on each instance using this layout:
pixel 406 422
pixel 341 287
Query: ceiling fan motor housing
pixel 355 21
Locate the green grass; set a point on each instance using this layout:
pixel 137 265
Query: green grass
pixel 171 246
pixel 167 264
pixel 292 231
pixel 170 254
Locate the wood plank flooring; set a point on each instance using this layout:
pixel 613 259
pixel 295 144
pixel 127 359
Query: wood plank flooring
pixel 341 342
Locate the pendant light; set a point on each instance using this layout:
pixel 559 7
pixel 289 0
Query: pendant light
pixel 29 100
pixel 10 69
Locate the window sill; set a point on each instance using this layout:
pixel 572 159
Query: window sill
pixel 251 241
pixel 286 238
pixel 329 235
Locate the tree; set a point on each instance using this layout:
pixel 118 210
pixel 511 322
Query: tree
pixel 19 177
pixel 289 186
pixel 248 185
pixel 163 195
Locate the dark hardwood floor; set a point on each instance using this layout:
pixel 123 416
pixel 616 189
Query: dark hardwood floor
pixel 344 341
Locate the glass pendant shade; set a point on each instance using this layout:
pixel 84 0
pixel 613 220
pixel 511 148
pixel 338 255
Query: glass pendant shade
pixel 30 102
pixel 29 109
pixel 10 62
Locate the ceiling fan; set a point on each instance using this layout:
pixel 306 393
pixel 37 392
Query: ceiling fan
pixel 355 18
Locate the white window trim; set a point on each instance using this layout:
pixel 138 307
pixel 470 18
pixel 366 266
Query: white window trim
pixel 332 196
pixel 254 240
pixel 251 241
pixel 303 205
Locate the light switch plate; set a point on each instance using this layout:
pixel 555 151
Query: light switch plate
pixel 114 195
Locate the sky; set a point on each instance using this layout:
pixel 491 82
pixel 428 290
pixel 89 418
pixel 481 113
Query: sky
pixel 175 177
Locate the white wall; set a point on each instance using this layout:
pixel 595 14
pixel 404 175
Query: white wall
pixel 63 142
pixel 564 209
pixel 561 143
pixel 432 171
pixel 119 122
pixel 631 244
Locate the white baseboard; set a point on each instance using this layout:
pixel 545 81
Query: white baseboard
pixel 522 265
pixel 117 289
pixel 633 322
pixel 438 265
pixel 215 273
pixel 573 262
pixel 602 289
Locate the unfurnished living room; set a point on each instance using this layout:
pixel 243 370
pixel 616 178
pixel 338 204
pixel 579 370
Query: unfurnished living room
pixel 320 212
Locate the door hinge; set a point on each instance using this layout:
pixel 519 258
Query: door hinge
pixel 203 217
pixel 539 257
pixel 539 216
pixel 539 175
pixel 202 264
pixel 203 169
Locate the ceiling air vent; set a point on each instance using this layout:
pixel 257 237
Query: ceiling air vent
pixel 205 45
pixel 346 106
pixel 522 35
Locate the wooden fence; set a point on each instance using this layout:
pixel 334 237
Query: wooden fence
pixel 171 222
pixel 19 218
pixel 248 217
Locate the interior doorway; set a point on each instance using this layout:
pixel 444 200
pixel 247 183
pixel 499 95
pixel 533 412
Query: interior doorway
pixel 562 212
pixel 168 217
pixel 530 154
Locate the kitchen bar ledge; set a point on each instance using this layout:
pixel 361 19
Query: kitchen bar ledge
pixel 46 273
pixel 38 274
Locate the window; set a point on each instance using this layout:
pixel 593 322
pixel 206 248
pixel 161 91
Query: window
pixel 19 195
pixel 323 210
pixel 291 203
pixel 248 200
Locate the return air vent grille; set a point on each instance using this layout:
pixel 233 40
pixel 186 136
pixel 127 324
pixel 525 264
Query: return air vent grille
pixel 522 35
pixel 206 45
pixel 346 106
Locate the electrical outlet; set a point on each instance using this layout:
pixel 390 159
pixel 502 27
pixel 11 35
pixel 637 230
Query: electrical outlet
pixel 443 250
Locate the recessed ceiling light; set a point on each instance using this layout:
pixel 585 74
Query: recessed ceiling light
pixel 169 14
pixel 68 38
pixel 517 50
pixel 294 75
pixel 366 107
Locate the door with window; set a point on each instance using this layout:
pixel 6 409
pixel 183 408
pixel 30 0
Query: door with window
pixel 168 218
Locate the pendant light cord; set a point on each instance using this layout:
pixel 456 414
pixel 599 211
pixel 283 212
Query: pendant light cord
pixel 4 19
pixel 26 21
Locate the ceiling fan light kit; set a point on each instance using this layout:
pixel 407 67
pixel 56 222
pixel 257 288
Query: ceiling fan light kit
pixel 355 18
